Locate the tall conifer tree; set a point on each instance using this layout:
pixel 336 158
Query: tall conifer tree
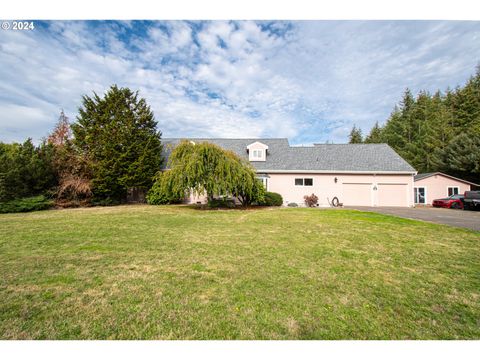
pixel 118 135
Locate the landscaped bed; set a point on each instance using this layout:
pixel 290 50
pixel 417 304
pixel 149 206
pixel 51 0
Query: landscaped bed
pixel 173 272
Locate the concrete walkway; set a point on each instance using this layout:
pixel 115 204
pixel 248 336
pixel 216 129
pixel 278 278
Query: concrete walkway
pixel 459 218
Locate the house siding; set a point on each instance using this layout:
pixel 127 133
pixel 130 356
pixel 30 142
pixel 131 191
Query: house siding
pixel 350 189
pixel 347 185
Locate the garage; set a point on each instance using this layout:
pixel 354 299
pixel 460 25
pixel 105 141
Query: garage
pixel 357 194
pixel 392 195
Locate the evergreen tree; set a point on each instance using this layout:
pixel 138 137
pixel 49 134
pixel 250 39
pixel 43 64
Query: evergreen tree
pixel 393 132
pixel 375 135
pixel 406 107
pixel 466 103
pixel 355 136
pixel 25 170
pixel 425 130
pixel 461 157
pixel 117 133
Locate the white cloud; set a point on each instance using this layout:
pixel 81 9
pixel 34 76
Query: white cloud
pixel 309 81
pixel 18 120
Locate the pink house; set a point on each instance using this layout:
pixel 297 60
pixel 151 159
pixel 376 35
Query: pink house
pixel 436 185
pixel 357 174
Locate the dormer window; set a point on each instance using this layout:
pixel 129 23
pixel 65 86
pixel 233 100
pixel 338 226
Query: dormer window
pixel 257 154
pixel 257 151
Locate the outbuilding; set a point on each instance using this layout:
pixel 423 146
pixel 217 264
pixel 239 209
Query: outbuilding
pixel 437 185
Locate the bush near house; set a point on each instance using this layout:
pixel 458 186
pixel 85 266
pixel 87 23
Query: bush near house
pixel 311 200
pixel 272 199
pixel 221 203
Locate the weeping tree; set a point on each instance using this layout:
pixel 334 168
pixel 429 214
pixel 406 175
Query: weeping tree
pixel 164 191
pixel 205 168
pixel 248 188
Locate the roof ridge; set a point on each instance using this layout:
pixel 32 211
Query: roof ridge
pixel 430 174
pixel 318 144
pixel 204 138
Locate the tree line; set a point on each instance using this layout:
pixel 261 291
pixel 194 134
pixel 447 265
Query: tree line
pixel 434 132
pixel 112 148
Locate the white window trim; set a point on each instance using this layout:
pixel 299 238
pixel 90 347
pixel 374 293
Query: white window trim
pixel 414 197
pixel 453 187
pixel 257 154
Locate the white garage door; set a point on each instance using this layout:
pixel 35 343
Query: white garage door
pixel 358 194
pixel 392 195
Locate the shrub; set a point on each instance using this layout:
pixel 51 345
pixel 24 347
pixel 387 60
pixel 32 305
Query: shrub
pixel 292 204
pixel 221 203
pixel 106 202
pixel 311 200
pixel 272 199
pixel 26 204
pixel 73 191
pixel 25 170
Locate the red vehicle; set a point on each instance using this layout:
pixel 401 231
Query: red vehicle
pixel 451 202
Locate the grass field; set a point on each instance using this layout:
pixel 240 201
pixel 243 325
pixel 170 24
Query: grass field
pixel 146 272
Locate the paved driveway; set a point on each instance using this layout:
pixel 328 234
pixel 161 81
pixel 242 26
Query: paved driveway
pixel 460 218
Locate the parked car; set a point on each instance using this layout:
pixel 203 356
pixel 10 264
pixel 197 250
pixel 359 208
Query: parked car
pixel 451 202
pixel 471 200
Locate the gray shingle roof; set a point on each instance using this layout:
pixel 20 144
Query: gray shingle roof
pixel 321 157
pixel 426 175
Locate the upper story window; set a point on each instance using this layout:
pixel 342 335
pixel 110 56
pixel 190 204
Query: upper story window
pixel 257 151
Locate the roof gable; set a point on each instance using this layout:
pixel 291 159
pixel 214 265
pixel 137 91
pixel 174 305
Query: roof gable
pixel 419 177
pixel 257 145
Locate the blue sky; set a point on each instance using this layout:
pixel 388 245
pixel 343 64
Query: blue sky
pixel 309 81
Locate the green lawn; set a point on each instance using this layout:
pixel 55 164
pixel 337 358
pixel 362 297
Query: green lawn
pixel 171 272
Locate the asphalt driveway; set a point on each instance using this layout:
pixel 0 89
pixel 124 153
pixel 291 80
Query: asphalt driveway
pixel 460 218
